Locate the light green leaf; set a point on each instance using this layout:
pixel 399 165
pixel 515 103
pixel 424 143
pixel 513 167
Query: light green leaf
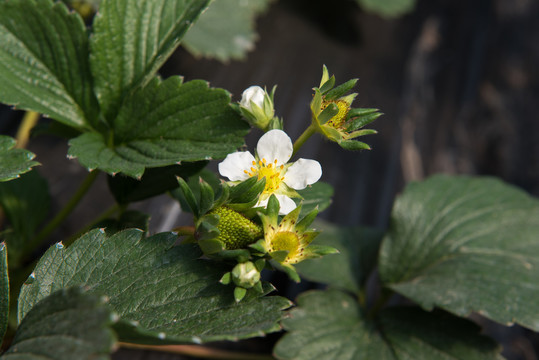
pixel 226 30
pixel 358 249
pixel 69 323
pixel 44 63
pixel 330 325
pixel 13 162
pixel 161 292
pixel 319 194
pixel 465 244
pixel 162 124
pixel 4 291
pixel 388 8
pixel 131 40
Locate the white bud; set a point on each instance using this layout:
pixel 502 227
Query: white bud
pixel 255 94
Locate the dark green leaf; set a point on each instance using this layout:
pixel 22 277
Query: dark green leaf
pixel 330 325
pixel 319 194
pixel 4 291
pixel 163 291
pixel 25 202
pixel 358 249
pixel 466 244
pixel 155 181
pixel 13 162
pixel 44 61
pixel 388 8
pixel 163 124
pixel 69 323
pixel 226 30
pixel 131 41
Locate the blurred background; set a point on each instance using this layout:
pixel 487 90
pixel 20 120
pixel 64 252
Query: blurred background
pixel 457 81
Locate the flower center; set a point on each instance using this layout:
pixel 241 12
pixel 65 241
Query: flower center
pixel 285 241
pixel 338 120
pixel 270 171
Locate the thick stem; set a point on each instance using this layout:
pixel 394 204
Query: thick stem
pixel 380 303
pixel 302 138
pixel 23 133
pixel 68 208
pixel 201 352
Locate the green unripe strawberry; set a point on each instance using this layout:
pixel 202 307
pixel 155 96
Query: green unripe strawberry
pixel 235 230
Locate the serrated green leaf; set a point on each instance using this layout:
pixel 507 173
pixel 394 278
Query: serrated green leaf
pixel 132 40
pixel 44 63
pixel 465 244
pixel 226 30
pixel 4 290
pixel 388 8
pixel 25 203
pixel 319 194
pixel 13 162
pixel 155 181
pixel 358 249
pixel 163 124
pixel 166 292
pixel 330 325
pixel 65 324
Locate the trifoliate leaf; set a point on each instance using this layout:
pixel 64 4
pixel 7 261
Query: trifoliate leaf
pixel 13 162
pixel 388 8
pixel 465 244
pixel 161 292
pixel 69 323
pixel 226 30
pixel 4 290
pixel 131 41
pixel 44 63
pixel 162 124
pixel 358 250
pixel 330 325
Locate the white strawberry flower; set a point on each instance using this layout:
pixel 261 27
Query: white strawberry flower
pixel 273 151
pixel 253 94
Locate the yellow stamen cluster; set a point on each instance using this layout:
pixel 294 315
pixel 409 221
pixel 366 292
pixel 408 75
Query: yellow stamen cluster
pixel 338 120
pixel 270 171
pixel 287 241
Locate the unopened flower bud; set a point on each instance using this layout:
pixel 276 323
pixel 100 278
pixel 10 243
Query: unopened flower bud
pixel 253 94
pixel 256 106
pixel 245 275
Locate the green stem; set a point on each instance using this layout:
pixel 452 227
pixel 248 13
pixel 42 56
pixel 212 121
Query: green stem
pixel 198 351
pixel 23 133
pixel 303 137
pixel 380 303
pixel 68 208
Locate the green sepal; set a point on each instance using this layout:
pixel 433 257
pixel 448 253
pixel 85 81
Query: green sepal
pixel 332 133
pixel 246 191
pixel 353 145
pixel 239 293
pixel 328 85
pixel 279 256
pixel 210 246
pixel 304 223
pixel 225 280
pixel 340 90
pixel 260 264
pixel 207 197
pixel 258 287
pixel 315 251
pixel 316 104
pixel 287 269
pixel 275 123
pixel 272 209
pixel 239 255
pixel 329 112
pixel 207 227
pixel 325 75
pixel 243 207
pixel 360 117
pixel 224 196
pixel 259 246
pixel 189 197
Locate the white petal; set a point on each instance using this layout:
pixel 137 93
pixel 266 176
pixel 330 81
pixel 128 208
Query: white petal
pixel 302 173
pixel 286 204
pixel 254 94
pixel 275 145
pixel 234 164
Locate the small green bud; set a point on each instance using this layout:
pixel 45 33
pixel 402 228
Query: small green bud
pixel 256 106
pixel 245 275
pixel 235 230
